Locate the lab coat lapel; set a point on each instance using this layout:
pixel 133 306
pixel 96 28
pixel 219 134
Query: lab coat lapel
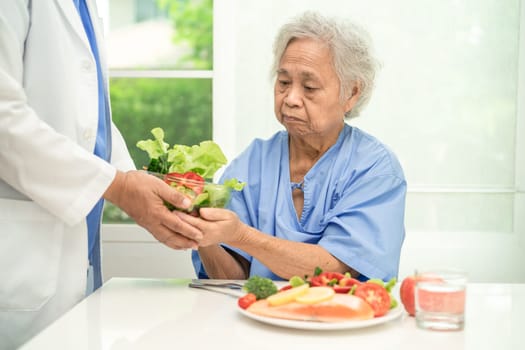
pixel 71 15
pixel 98 27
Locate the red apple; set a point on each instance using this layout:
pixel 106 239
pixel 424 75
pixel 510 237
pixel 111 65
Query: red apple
pixel 406 293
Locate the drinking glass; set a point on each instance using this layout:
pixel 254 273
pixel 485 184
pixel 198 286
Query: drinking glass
pixel 440 297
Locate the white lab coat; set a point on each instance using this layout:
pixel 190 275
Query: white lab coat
pixel 49 177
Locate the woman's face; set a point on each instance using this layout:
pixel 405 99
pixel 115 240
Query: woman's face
pixel 306 91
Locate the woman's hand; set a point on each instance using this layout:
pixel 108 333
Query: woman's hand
pixel 217 225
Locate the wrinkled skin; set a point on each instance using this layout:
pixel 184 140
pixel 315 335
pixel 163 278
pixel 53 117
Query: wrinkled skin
pixel 142 197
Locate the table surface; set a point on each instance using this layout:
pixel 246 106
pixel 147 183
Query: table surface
pixel 167 314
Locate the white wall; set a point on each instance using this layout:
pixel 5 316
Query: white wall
pixel 130 251
pixel 449 101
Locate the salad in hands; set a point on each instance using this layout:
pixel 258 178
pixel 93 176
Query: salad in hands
pixel 190 169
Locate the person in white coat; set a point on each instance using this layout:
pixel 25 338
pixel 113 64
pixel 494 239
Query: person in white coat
pixel 53 170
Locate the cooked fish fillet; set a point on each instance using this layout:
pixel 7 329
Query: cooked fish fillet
pixel 342 307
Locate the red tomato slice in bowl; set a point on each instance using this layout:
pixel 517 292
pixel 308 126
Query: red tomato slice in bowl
pixel 190 180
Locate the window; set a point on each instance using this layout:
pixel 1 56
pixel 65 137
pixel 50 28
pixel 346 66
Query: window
pixel 160 60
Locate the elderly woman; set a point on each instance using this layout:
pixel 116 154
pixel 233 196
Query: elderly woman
pixel 322 193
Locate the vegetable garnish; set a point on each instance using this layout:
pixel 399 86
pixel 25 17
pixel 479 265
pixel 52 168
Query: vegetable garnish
pixel 262 287
pixel 247 300
pixel 302 302
pixel 375 291
pixel 190 169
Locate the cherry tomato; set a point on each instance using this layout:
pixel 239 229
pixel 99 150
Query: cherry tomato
pixel 247 300
pixel 376 296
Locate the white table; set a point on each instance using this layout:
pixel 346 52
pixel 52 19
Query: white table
pixel 167 314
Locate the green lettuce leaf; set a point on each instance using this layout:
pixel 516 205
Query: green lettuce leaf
pixel 203 159
pixel 156 147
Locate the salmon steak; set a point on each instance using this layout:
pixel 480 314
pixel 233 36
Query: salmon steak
pixel 339 308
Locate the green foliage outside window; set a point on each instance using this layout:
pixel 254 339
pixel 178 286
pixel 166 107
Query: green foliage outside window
pixel 182 107
pixel 193 23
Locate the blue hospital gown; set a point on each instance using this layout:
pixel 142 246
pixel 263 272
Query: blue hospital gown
pixel 354 202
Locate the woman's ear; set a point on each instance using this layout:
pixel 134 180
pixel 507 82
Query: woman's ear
pixel 355 93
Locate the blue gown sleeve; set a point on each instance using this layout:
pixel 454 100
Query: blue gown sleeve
pixel 366 227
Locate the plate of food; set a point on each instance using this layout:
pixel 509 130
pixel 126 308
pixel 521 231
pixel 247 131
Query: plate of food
pixel 320 303
pixel 316 325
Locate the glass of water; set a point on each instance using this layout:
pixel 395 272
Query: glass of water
pixel 440 297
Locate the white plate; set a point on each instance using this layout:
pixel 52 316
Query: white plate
pixel 312 325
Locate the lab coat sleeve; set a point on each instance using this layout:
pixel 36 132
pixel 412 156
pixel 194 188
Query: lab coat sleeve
pixel 120 157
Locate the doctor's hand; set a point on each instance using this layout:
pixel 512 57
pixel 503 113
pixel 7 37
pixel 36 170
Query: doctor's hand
pixel 142 197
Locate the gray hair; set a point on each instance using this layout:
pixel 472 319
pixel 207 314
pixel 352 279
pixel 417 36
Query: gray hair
pixel 351 49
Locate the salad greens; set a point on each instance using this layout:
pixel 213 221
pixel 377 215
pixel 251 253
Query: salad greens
pixel 187 168
pixel 203 159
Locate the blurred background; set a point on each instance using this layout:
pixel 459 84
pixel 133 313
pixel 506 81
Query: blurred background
pixel 448 101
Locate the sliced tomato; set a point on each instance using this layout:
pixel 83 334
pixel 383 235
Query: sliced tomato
pixel 348 282
pixel 173 177
pixel 190 180
pixel 326 279
pixel 316 281
pixel 245 301
pixel 342 289
pixel 190 175
pixel 345 285
pixel 283 288
pixel 376 296
pixel 332 275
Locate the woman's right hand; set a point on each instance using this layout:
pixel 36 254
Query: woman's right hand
pixel 217 225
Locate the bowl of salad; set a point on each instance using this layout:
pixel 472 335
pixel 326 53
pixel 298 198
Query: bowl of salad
pixel 190 169
pixel 203 193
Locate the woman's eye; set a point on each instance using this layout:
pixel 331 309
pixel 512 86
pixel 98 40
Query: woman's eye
pixel 310 88
pixel 284 82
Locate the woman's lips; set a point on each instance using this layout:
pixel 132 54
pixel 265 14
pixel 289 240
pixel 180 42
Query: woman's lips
pixel 291 119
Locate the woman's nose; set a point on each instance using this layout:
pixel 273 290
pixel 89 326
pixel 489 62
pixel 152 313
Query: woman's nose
pixel 293 98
